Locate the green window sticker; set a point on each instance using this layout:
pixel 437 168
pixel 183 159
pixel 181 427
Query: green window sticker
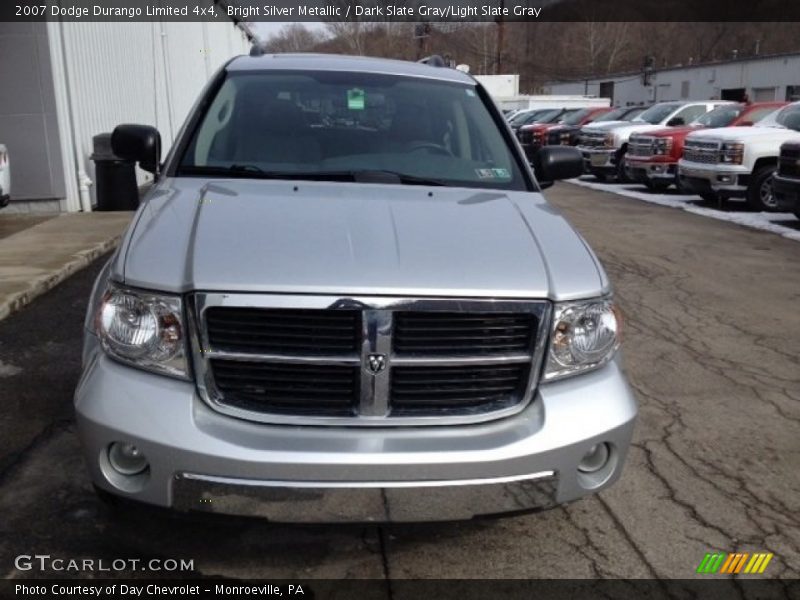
pixel 356 99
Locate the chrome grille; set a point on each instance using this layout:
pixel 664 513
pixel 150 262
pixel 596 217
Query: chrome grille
pixel 701 152
pixel 640 146
pixel 366 361
pixel 592 139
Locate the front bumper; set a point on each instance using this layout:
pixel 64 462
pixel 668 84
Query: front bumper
pixel 599 159
pixel 732 181
pixel 656 171
pixel 201 460
pixel 786 192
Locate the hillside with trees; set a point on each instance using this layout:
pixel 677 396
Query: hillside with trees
pixel 545 51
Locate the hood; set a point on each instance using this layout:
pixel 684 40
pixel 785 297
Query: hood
pixel 743 134
pixel 675 131
pixel 606 125
pixel 343 238
pixel 540 126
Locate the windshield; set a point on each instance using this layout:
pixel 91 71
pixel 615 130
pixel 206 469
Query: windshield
pixel 576 117
pixel 325 125
pixel 615 115
pixel 547 116
pixel 655 114
pixel 518 116
pixel 720 117
pixel 788 117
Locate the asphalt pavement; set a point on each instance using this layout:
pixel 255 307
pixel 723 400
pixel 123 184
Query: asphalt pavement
pixel 711 348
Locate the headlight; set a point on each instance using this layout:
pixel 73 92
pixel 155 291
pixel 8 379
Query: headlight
pixel 564 138
pixel 143 329
pixel 585 335
pixel 609 140
pixel 662 146
pixel 732 153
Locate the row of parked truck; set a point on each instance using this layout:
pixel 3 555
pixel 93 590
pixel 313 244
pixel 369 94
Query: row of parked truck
pixel 718 150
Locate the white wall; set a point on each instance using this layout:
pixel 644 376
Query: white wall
pixel 149 73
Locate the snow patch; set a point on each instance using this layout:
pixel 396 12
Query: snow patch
pixel 7 370
pixel 763 220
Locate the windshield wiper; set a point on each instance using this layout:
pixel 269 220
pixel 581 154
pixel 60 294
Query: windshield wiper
pixel 358 175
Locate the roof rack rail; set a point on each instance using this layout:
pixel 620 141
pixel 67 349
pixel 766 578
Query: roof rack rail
pixel 256 50
pixel 434 60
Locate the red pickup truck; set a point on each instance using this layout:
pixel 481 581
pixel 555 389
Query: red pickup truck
pixel 652 157
pixel 534 136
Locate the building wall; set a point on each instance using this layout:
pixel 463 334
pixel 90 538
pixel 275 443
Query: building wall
pixel 28 124
pixel 148 73
pixel 769 78
pixel 63 83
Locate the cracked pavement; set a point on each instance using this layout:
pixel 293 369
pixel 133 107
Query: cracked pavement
pixel 711 347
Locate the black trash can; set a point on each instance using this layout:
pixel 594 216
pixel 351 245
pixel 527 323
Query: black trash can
pixel 114 178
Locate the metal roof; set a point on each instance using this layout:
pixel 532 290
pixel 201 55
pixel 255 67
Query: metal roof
pixel 343 62
pixel 680 67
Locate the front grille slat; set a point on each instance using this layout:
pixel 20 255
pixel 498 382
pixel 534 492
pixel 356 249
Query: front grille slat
pixel 443 388
pixel 299 389
pixel 314 362
pixel 314 332
pixel 467 334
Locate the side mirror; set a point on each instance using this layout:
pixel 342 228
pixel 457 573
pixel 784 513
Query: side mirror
pixel 139 143
pixel 675 122
pixel 552 163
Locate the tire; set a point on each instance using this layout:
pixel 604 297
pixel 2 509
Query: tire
pixel 759 193
pixel 657 186
pixel 710 197
pixel 622 176
pixel 600 176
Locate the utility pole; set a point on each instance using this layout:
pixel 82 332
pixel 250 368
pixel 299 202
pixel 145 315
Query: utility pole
pixel 501 34
pixel 421 33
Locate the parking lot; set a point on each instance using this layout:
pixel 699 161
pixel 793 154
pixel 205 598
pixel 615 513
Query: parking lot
pixel 711 348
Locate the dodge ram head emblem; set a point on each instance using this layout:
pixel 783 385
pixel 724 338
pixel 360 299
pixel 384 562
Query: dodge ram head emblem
pixel 376 363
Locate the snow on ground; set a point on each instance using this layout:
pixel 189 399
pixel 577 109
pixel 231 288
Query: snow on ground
pixel 784 224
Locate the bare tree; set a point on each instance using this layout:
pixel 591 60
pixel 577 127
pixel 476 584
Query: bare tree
pixel 294 37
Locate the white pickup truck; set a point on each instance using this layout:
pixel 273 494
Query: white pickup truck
pixel 5 177
pixel 739 162
pixel 604 149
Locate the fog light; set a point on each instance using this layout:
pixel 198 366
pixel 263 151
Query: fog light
pixel 595 459
pixel 126 459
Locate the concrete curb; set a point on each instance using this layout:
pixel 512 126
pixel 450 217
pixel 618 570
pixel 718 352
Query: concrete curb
pixel 74 259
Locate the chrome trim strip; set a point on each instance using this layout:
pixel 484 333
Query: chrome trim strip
pixel 377 312
pixel 366 484
pixel 345 361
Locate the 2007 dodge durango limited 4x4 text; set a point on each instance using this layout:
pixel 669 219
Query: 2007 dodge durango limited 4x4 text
pixel 345 299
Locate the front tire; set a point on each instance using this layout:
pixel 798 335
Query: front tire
pixel 759 194
pixel 710 197
pixel 622 176
pixel 657 186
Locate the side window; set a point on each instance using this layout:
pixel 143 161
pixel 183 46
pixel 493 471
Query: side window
pixel 690 113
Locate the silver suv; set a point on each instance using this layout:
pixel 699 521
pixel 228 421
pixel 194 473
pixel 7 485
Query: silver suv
pixel 345 299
